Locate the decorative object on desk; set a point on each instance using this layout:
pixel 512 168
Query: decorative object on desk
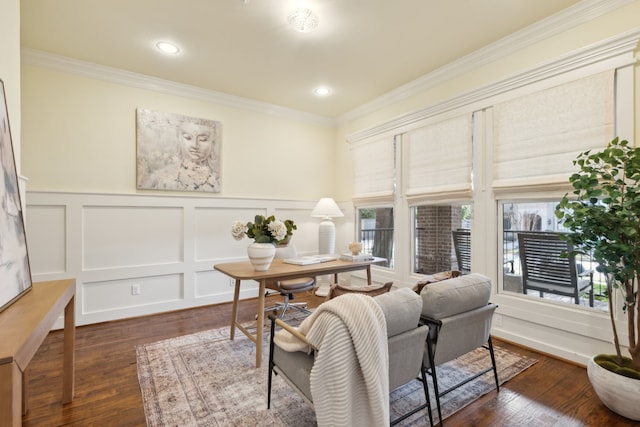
pixel 326 208
pixel 355 248
pixel 261 255
pixel 267 232
pixel 15 271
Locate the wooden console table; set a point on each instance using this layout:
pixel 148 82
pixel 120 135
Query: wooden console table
pixel 280 270
pixel 23 327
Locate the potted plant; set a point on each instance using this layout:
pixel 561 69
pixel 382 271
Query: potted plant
pixel 267 232
pixel 603 217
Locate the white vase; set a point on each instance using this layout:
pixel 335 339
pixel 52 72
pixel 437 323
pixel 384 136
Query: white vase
pixel 261 255
pixel 617 392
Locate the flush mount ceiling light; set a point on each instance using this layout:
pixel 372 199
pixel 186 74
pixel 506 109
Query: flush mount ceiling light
pixel 167 47
pixel 303 20
pixel 322 91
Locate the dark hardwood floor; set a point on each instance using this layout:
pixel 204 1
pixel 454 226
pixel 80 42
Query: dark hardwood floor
pixel 550 393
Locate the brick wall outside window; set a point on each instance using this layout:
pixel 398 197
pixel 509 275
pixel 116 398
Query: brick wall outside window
pixel 434 245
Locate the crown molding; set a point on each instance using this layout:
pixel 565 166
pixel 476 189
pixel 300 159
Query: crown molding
pixel 573 16
pixel 90 70
pixel 615 52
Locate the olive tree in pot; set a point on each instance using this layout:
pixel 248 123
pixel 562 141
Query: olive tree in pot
pixel 603 217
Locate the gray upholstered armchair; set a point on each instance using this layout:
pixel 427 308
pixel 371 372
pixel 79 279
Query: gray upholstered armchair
pixel 405 341
pixel 459 316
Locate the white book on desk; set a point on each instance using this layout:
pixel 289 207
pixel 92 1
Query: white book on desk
pixel 310 259
pixel 356 258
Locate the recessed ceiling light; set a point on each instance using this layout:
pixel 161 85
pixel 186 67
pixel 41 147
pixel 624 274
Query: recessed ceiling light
pixel 322 91
pixel 167 47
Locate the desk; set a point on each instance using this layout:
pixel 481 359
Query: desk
pixel 280 270
pixel 23 327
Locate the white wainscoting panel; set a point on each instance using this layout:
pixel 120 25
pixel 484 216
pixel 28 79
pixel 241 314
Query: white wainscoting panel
pixel 217 286
pixel 46 239
pixel 117 236
pixel 212 231
pixel 117 294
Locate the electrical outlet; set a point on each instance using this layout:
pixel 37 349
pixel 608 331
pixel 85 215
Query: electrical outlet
pixel 135 289
pixel 497 320
pixel 232 282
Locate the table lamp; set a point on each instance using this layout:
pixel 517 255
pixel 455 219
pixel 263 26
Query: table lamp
pixel 326 208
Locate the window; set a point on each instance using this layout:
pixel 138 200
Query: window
pixel 533 218
pixel 536 137
pixel 434 248
pixel 375 232
pixel 374 184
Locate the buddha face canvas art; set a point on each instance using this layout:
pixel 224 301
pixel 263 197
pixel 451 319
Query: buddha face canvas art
pixel 177 152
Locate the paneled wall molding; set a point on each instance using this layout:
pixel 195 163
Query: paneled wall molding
pixel 165 246
pixel 114 75
pixel 612 53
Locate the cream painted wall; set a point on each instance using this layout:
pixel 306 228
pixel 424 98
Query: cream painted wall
pixel 80 136
pixel 10 67
pixel 617 22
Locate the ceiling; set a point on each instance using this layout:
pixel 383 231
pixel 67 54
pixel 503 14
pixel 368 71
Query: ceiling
pixel 362 49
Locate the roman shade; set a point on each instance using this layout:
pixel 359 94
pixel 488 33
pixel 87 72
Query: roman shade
pixel 373 162
pixel 537 136
pixel 439 160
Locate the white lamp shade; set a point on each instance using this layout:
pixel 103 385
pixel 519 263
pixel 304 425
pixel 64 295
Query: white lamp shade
pixel 327 208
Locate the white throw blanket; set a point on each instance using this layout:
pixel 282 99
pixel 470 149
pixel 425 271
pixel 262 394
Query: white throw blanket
pixel 350 375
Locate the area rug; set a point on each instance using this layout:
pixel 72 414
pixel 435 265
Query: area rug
pixel 204 379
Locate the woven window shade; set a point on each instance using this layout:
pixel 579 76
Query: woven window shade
pixel 439 160
pixel 538 136
pixel 373 169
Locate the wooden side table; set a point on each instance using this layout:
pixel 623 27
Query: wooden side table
pixel 23 327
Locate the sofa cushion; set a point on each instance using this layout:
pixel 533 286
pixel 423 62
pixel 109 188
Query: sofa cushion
pixel 372 290
pixel 457 295
pixel 401 309
pixel 434 278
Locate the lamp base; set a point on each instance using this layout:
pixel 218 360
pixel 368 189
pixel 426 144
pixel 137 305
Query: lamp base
pixel 326 237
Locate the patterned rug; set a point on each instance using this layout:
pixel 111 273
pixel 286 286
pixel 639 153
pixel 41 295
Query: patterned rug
pixel 204 379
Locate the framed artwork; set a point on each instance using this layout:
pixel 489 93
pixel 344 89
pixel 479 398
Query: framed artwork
pixel 176 152
pixel 15 272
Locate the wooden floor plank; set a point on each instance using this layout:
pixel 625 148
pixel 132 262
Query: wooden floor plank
pixel 550 393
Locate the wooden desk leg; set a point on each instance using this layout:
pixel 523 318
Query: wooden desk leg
pixel 369 275
pixel 69 368
pixel 234 309
pixel 260 326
